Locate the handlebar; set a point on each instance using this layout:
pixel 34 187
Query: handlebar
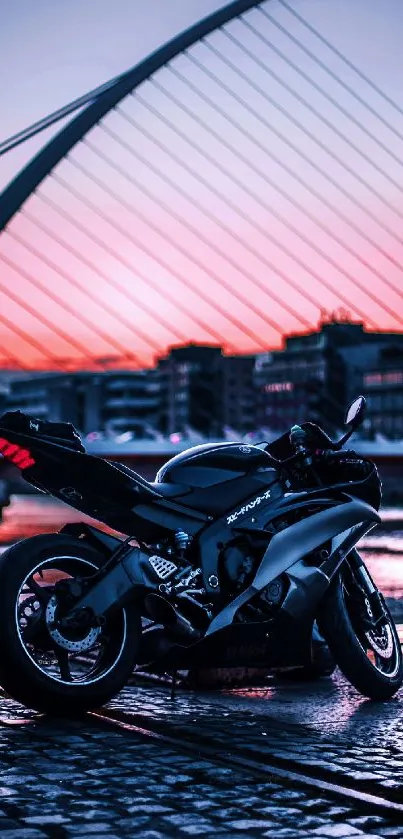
pixel 298 437
pixel 309 432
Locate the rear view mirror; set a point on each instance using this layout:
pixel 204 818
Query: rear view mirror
pixel 355 413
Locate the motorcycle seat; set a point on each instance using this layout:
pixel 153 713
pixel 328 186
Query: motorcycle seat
pixel 163 490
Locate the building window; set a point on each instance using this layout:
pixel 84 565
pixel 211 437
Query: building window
pixel 393 377
pixel 188 367
pixel 278 387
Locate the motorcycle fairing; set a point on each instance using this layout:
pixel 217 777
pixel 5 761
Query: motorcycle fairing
pixel 222 497
pixel 342 525
pixel 348 521
pixel 267 645
pixel 257 522
pixel 286 547
pixel 286 639
pixel 123 500
pixel 118 497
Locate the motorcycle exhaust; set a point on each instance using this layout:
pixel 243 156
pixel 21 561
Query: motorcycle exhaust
pixel 161 611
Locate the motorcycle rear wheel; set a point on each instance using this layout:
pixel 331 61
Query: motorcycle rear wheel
pixel 63 675
pixel 371 660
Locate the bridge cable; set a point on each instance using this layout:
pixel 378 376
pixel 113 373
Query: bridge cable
pixel 36 313
pixel 121 319
pixel 349 64
pixel 279 189
pixel 109 250
pixel 259 34
pixel 262 230
pixel 231 318
pixel 181 249
pixel 27 337
pixel 306 131
pixel 272 212
pixel 271 295
pixel 156 257
pixel 307 186
pixel 209 213
pixel 180 336
pixel 55 297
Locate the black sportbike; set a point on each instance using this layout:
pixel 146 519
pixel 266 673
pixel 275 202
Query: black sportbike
pixel 227 560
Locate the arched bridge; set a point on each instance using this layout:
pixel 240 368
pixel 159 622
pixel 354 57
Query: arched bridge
pixel 225 190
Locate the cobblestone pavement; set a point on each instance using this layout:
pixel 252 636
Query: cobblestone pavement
pixel 326 727
pixel 62 779
pixel 76 779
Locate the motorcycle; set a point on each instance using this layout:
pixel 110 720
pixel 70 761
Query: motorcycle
pixel 232 555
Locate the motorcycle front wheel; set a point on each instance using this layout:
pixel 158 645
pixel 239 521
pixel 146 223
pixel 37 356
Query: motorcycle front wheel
pixel 368 652
pixel 61 672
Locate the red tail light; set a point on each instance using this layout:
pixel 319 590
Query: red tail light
pixel 16 454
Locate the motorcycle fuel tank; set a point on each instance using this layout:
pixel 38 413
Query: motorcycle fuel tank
pixel 215 463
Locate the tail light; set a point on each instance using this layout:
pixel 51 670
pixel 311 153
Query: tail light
pixel 16 454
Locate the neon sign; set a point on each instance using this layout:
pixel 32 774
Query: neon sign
pixel 16 454
pixel 279 387
pixel 395 377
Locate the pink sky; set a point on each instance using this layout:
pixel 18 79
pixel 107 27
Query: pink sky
pixel 228 214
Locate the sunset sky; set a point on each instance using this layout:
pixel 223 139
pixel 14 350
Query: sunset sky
pixel 240 191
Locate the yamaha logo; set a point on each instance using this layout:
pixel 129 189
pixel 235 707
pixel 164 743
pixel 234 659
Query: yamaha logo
pixel 245 449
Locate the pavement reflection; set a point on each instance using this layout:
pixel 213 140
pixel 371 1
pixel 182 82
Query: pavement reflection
pixel 329 705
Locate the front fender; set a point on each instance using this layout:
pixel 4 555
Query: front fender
pixel 295 542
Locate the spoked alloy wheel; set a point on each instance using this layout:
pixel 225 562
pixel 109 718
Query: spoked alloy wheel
pixel 361 633
pixel 381 650
pixel 80 656
pixel 377 642
pixel 47 666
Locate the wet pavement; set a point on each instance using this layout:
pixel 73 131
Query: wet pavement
pixel 325 727
pixel 60 779
pixel 105 784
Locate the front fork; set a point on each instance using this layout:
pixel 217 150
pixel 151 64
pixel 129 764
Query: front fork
pixel 370 602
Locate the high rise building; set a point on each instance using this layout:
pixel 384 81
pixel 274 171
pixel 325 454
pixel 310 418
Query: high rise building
pixel 113 401
pixel 193 389
pixel 191 394
pixel 239 393
pixel 205 391
pixel 383 387
pixel 317 374
pixel 197 390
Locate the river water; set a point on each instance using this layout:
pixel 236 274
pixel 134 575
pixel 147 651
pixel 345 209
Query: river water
pixel 382 550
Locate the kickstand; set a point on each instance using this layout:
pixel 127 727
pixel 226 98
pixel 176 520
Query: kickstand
pixel 173 686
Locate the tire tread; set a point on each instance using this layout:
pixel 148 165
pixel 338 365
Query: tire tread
pixel 19 677
pixel 335 626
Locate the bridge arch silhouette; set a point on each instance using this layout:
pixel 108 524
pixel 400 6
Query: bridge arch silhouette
pixel 227 189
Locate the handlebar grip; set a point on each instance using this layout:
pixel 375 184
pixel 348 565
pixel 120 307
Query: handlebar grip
pixel 297 436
